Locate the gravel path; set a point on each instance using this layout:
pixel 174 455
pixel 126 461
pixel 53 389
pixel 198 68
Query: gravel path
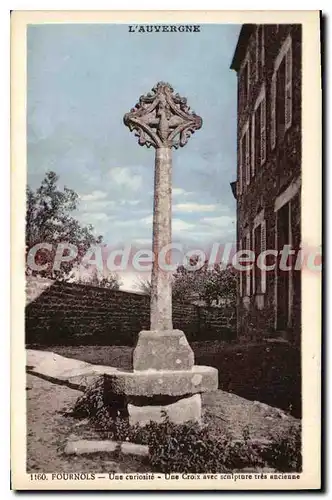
pixel 48 431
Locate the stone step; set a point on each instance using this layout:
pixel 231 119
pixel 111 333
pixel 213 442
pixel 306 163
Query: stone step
pixel 151 383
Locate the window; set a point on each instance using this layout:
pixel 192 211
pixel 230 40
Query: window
pixel 262 40
pixel 263 131
pixel 259 51
pixel 259 246
pixel 247 156
pixel 288 88
pixel 240 179
pixel 244 244
pixel 283 207
pixel 240 273
pixel 247 271
pixel 280 111
pixel 284 277
pixel 257 47
pixel 273 110
pixel 244 158
pixel 258 137
pixel 245 82
pixel 281 93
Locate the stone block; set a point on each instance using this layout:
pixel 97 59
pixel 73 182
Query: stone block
pixel 134 449
pixel 83 446
pixel 151 383
pixel 184 410
pixel 163 350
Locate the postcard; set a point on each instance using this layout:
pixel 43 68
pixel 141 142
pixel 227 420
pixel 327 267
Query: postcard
pixel 166 250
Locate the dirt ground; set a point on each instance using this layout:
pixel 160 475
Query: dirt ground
pixel 48 431
pixel 49 428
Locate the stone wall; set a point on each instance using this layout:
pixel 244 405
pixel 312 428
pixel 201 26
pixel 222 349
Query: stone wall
pixel 67 313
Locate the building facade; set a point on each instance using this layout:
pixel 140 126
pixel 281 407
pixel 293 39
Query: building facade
pixel 267 60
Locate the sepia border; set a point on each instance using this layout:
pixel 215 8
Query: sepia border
pixel 311 236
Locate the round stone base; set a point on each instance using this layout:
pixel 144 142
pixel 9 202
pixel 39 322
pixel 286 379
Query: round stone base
pixel 184 410
pixel 150 383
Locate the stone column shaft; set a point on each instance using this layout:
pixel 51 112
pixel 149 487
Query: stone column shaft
pixel 163 120
pixel 161 286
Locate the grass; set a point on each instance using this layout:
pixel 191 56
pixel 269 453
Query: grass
pixel 210 447
pixel 266 372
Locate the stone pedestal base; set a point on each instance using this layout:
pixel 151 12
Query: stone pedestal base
pixel 151 383
pixel 185 410
pixel 165 380
pixel 162 350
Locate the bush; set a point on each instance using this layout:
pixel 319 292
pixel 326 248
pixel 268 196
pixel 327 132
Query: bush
pixel 190 447
pixel 181 448
pixel 285 451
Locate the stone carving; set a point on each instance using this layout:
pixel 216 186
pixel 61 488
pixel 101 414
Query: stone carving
pixel 164 378
pixel 162 118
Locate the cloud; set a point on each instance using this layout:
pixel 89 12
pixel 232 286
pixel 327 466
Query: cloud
pixel 179 225
pixel 180 192
pixel 95 195
pixel 130 202
pixel 194 207
pixel 93 217
pixel 96 206
pixel 221 222
pixel 144 241
pixel 125 177
pixel 98 216
pixel 125 223
pixel 147 220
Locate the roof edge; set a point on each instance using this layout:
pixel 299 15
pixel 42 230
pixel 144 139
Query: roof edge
pixel 241 45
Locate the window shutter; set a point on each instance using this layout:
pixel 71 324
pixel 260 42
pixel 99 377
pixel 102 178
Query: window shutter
pixel 273 109
pixel 288 88
pixel 240 90
pixel 248 80
pixel 253 145
pixel 263 48
pixel 263 130
pixel 263 248
pixel 248 271
pixel 247 147
pixel 240 166
pixel 254 266
pixel 257 53
pixel 240 272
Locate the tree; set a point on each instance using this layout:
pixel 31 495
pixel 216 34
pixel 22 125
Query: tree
pixel 49 220
pixel 217 284
pixel 209 284
pixel 221 285
pixel 93 277
pixel 144 285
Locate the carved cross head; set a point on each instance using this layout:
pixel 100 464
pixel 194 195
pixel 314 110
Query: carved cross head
pixel 162 118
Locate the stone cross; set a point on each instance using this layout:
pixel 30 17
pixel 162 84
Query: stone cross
pixel 165 379
pixel 163 120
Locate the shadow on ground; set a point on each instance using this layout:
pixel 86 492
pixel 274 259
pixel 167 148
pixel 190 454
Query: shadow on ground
pixel 266 372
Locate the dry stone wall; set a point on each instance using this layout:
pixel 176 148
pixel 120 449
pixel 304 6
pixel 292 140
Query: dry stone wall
pixel 67 313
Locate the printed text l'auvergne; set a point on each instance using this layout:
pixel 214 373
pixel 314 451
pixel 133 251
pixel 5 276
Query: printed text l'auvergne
pixel 164 28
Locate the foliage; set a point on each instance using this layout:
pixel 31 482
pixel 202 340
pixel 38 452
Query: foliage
pixel 209 284
pixel 284 453
pixel 49 220
pixel 95 278
pixel 215 284
pixel 189 447
pixel 143 285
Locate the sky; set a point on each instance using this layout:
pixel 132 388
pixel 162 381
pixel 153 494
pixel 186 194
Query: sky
pixel 83 78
